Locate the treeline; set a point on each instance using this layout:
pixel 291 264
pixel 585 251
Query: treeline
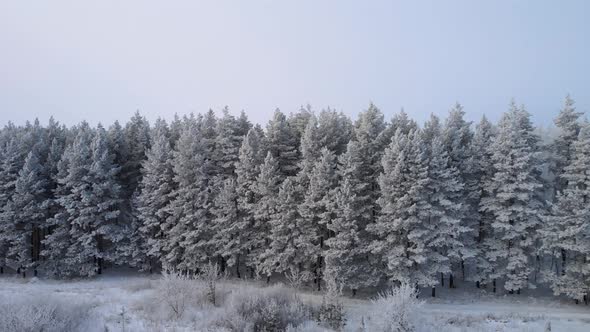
pixel 310 196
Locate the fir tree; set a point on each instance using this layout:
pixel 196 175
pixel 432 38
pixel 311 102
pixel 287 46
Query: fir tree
pixel 513 201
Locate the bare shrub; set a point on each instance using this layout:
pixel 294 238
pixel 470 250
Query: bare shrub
pixel 394 310
pixel 264 310
pixel 210 275
pixel 297 278
pixel 45 313
pixel 175 291
pixel 331 312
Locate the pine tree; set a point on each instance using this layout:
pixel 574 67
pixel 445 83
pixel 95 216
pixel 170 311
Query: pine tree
pixel 229 226
pixel 153 202
pixel 188 226
pixel 513 200
pixel 334 131
pixel 565 232
pixel 457 138
pixel 267 189
pixel 484 172
pixel 348 258
pixel 289 239
pixel 24 215
pixel 317 212
pixel 282 143
pixel 569 127
pixel 368 131
pixel 401 231
pixel 247 170
pixel 442 212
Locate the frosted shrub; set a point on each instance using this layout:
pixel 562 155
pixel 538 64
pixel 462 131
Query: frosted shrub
pixel 210 275
pixel 264 310
pixel 331 312
pixel 394 310
pixel 175 291
pixel 41 313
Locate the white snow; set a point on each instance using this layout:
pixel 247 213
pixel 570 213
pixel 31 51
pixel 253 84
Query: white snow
pixel 128 302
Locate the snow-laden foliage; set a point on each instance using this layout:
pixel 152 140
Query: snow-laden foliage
pixel 395 310
pixel 313 194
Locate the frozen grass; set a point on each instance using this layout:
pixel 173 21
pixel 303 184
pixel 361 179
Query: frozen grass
pixel 134 303
pixel 42 313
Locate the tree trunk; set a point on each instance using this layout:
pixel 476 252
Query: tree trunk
pixel 463 269
pixel 353 292
pixel 477 284
pixel 433 291
pixel 442 279
pixel 268 279
pixel 563 259
pixel 451 281
pixel 238 267
pixel 494 285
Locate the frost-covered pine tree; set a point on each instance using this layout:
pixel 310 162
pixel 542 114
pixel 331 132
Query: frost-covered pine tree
pixel 283 143
pixel 442 211
pixel 513 201
pixel 267 189
pixel 401 231
pixel 24 214
pixel 229 226
pixel 317 212
pixel 10 164
pixel 368 131
pixel 57 241
pixel 247 170
pixel 566 232
pixel 289 238
pixel 188 228
pixel 568 125
pixel 334 130
pixel 153 202
pixel 230 133
pixel 484 172
pixel 457 137
pixel 347 256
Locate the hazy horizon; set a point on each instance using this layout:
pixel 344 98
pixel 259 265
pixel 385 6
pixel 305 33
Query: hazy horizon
pixel 101 62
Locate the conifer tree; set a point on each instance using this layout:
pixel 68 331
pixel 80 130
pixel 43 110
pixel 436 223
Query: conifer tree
pixel 348 258
pixel 513 201
pixel 565 231
pixel 24 215
pixel 153 202
pixel 267 189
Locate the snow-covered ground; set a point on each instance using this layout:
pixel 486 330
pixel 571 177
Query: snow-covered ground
pixel 123 302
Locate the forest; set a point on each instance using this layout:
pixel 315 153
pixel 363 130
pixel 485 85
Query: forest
pixel 312 195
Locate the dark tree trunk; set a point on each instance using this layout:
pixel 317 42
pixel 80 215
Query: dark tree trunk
pixel 463 269
pixel 268 279
pixel 442 279
pixel 353 292
pixel 477 284
pixel 563 259
pixel 238 267
pixel 494 285
pixel 518 291
pixel 433 291
pixel 451 281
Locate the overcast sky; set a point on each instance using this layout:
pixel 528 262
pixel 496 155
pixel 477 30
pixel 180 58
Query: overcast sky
pixel 102 60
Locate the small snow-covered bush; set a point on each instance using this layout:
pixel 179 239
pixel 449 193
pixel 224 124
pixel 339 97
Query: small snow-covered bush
pixel 394 310
pixel 45 313
pixel 264 310
pixel 331 312
pixel 176 290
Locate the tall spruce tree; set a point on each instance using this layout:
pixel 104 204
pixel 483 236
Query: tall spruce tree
pixel 566 232
pixel 347 256
pixel 512 200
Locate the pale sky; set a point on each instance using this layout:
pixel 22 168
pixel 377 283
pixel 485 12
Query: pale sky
pixel 102 60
